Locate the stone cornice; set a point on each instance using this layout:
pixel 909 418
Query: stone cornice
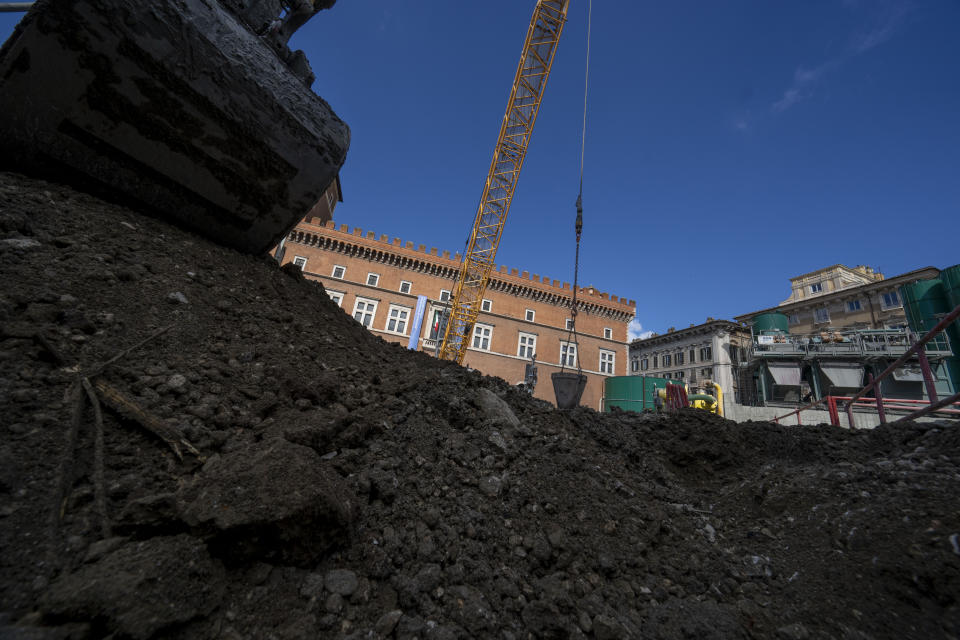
pixel 714 327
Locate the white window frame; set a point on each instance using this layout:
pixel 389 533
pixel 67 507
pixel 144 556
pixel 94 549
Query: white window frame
pixel 608 361
pixel 482 337
pixel 897 303
pixel 666 359
pixel 526 345
pixel 644 364
pixel 693 356
pixel 568 324
pixel 608 333
pixel 568 354
pixel 530 315
pixel 405 286
pixel 706 354
pixel 336 296
pixel 300 261
pixel 793 318
pixel 375 277
pixel 816 287
pixel 369 308
pixel 399 316
pixel 821 315
pixel 656 362
pixel 634 365
pixel 341 275
pixel 486 305
pixel 678 358
pixel 853 306
pixel 444 295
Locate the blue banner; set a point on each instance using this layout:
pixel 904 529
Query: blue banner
pixel 417 322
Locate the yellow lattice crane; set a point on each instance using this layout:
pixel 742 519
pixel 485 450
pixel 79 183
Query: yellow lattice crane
pixel 524 103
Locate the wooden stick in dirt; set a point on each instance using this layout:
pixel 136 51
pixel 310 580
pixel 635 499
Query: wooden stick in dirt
pixel 128 408
pixel 99 486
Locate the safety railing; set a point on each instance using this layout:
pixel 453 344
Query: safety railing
pixel 949 407
pixel 919 349
pixel 798 412
pixel 856 343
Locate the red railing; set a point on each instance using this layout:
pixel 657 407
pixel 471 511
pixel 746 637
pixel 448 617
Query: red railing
pixel 917 407
pixel 917 348
pixel 934 404
pixel 804 408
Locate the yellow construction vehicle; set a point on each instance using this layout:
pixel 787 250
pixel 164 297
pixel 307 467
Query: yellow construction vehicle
pixel 536 60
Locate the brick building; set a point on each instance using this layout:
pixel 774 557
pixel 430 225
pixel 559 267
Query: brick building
pixel 382 283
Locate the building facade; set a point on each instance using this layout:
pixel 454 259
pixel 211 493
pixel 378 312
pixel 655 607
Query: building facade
pixel 709 351
pixel 842 325
pixel 830 279
pixel 386 285
pixel 839 297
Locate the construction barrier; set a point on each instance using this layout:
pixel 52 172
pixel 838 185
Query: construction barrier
pixel 949 407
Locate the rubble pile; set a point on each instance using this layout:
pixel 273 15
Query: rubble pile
pixel 265 467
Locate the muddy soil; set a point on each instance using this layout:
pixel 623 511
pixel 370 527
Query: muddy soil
pixel 343 487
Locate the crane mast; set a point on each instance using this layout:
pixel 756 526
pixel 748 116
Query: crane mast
pixel 524 103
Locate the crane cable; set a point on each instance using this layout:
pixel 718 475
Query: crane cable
pixel 579 223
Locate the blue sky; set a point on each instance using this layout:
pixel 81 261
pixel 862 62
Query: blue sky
pixel 730 145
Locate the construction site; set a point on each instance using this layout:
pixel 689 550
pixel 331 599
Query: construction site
pixel 218 424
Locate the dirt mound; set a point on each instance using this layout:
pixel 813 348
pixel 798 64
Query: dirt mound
pixel 270 469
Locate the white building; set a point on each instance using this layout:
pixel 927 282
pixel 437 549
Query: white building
pixel 708 351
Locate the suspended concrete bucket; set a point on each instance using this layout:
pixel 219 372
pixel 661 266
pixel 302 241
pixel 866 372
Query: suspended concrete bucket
pixel 568 388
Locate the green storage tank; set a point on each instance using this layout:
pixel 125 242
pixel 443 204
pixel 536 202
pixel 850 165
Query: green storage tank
pixel 951 286
pixel 632 393
pixel 767 323
pixel 951 291
pixel 924 303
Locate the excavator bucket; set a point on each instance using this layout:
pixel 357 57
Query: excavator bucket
pixel 179 106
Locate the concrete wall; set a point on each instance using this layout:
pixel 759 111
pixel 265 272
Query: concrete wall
pixel 865 420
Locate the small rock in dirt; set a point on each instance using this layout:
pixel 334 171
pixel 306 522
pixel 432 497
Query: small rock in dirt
pixel 342 581
pixel 177 298
pixel 176 381
pixel 495 409
pixel 490 486
pixel 312 586
pixel 795 631
pixel 333 603
pixel 387 622
pixel 102 547
pixel 19 243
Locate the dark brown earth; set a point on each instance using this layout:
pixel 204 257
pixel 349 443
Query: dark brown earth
pixel 348 488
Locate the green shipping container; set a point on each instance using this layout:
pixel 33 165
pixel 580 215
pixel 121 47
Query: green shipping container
pixel 632 393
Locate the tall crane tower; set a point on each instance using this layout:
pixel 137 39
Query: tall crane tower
pixel 524 103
